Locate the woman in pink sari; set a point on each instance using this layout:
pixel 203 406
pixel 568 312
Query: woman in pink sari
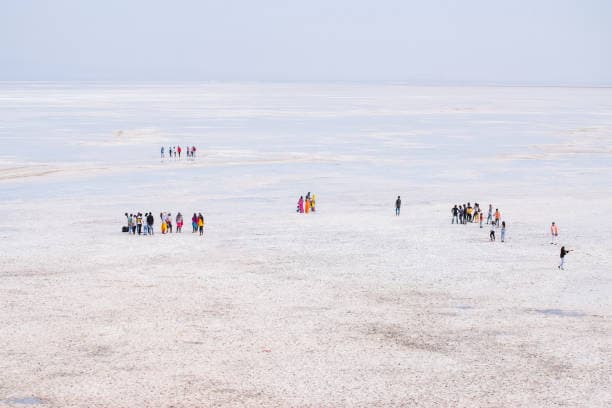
pixel 300 208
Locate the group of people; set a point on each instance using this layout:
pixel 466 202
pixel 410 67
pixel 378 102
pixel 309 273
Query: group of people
pixel 143 225
pixel 306 205
pixel 173 151
pixel 462 214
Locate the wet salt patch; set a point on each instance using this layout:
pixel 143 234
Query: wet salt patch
pixel 559 312
pixel 23 401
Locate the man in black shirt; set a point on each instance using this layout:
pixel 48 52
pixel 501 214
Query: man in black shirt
pixel 398 204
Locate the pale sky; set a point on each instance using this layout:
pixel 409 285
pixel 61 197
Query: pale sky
pixel 475 41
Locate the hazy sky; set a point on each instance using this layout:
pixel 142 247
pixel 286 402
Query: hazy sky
pixel 535 41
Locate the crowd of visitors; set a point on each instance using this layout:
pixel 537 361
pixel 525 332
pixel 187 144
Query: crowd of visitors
pixel 143 225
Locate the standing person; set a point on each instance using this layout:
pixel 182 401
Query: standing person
pixel 398 205
pixel 481 217
pixel 497 216
pixel 169 222
pixel 554 233
pixel 300 206
pixel 139 223
pixel 307 209
pixel 130 222
pixel 503 231
pixel 563 253
pixel 164 227
pixel 162 152
pixel 455 213
pixel 492 233
pixel 179 222
pixel 470 212
pixel 201 223
pixel 145 226
pixel 313 201
pixel 194 223
pixel 464 211
pixel 179 151
pixel 193 152
pixel 490 214
pixel 150 222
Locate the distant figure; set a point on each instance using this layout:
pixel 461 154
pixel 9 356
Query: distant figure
pixel 201 223
pixel 169 222
pixel 481 217
pixel 492 233
pixel 307 207
pixel 554 233
pixel 313 201
pixel 150 221
pixel 193 152
pixel 162 152
pixel 139 223
pixel 490 214
pixel 455 212
pixel 179 151
pixel 398 205
pixel 179 221
pixel 503 231
pixel 497 216
pixel 194 223
pixel 300 205
pixel 563 253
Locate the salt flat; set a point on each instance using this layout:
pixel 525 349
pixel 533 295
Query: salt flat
pixel 350 306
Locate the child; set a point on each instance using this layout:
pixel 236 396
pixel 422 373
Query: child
pixel 503 231
pixel 492 233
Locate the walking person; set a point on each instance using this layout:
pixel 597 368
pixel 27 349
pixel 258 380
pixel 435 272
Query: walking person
pixel 503 231
pixel 307 209
pixel 455 213
pixel 564 252
pixel 554 233
pixel 201 223
pixel 313 201
pixel 490 214
pixel 497 216
pixel 492 233
pixel 398 205
pixel 300 205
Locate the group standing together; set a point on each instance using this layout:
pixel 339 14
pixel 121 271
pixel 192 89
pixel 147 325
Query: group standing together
pixel 143 225
pixel 462 214
pixel 173 151
pixel 306 205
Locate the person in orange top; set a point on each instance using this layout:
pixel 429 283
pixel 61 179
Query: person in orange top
pixel 307 205
pixel 497 216
pixel 554 232
pixel 201 223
